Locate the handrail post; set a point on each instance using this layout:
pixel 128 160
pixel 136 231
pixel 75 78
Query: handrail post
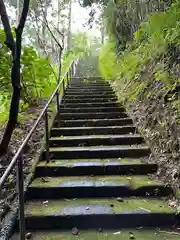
pixel 69 75
pixel 47 135
pixel 20 185
pixel 72 69
pixel 67 78
pixel 63 84
pixel 57 101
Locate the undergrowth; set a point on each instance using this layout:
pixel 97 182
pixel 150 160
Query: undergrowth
pixel 147 79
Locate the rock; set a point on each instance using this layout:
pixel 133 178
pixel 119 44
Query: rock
pixel 99 229
pixel 28 235
pixel 117 233
pixel 172 204
pixel 87 208
pixel 44 180
pixel 119 199
pixel 131 236
pixel 75 231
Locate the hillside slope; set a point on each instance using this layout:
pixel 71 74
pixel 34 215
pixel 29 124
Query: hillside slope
pixel 147 80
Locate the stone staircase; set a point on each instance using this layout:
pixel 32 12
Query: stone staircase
pixel 98 175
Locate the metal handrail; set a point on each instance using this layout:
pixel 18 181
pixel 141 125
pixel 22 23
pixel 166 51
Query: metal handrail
pixel 17 159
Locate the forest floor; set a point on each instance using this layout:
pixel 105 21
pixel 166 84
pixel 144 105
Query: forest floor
pixel 158 123
pixel 26 121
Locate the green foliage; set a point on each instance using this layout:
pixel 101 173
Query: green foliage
pixel 150 59
pixel 107 60
pixel 37 76
pixel 37 79
pixel 122 18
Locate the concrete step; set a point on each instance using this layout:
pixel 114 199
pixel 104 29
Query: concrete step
pixel 90 109
pixel 96 186
pixel 89 88
pixel 79 131
pixel 93 140
pixel 81 167
pixel 91 115
pixel 102 234
pixel 84 91
pixel 99 213
pixel 133 151
pixel 94 122
pixel 92 104
pixel 89 100
pixel 90 84
pixel 90 95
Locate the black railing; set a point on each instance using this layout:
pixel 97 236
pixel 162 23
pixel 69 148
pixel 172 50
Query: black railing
pixel 18 160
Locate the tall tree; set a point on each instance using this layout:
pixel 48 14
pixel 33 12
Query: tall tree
pixel 69 25
pixel 14 44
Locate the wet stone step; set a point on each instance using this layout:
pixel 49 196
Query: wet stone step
pixel 94 122
pixel 92 140
pixel 89 88
pixel 99 213
pixel 81 167
pixel 89 95
pixel 83 92
pixel 90 115
pixel 93 105
pixel 96 186
pixel 134 151
pixel 89 100
pixel 102 234
pixel 90 84
pixel 78 131
pixel 74 109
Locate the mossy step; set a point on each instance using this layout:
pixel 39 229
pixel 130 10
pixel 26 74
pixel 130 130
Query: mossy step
pixel 133 182
pixel 89 84
pixel 93 104
pixel 90 95
pixel 81 167
pixel 89 130
pixel 101 234
pixel 99 213
pixel 78 206
pixel 92 140
pixel 134 151
pixel 95 122
pixel 92 88
pixel 97 136
pixel 94 91
pixel 90 115
pixel 89 162
pixel 89 100
pixel 90 109
pixel 96 186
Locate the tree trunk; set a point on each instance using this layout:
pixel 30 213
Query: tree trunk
pixel 69 26
pixel 14 107
pixel 15 77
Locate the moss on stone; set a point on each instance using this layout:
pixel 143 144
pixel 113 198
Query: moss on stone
pixel 132 181
pixel 72 162
pixel 107 235
pixel 60 149
pixel 55 207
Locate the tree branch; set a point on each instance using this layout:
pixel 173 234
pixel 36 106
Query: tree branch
pixel 10 43
pixel 47 25
pixel 23 16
